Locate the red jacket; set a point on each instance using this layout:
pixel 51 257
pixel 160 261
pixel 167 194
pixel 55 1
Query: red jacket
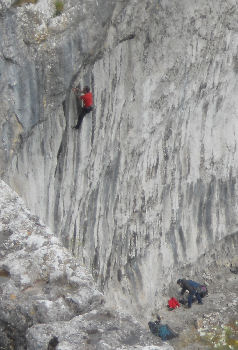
pixel 87 99
pixel 173 303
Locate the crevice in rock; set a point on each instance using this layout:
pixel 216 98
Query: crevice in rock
pixel 53 343
pixel 128 37
pixel 4 235
pixel 4 275
pixel 11 338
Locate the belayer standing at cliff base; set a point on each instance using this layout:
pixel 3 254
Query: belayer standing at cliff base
pixel 87 99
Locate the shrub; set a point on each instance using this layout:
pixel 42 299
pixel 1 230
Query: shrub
pixel 59 6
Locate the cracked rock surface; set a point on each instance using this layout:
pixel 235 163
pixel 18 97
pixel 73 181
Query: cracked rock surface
pixel 45 293
pixel 149 183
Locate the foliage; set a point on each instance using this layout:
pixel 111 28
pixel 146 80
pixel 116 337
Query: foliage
pixel 22 2
pixel 59 6
pixel 222 338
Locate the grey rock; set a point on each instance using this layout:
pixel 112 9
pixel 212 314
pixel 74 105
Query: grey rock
pixel 40 281
pixel 46 294
pixel 95 330
pixel 149 184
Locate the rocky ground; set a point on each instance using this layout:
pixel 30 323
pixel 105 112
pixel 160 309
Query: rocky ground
pixel 48 301
pixel 213 325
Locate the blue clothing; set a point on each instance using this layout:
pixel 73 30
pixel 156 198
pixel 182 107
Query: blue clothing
pixel 191 287
pixel 194 284
pixel 190 298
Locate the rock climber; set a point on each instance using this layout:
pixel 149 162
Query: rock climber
pixel 192 288
pixel 87 99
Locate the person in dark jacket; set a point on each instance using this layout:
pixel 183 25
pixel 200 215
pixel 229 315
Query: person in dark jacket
pixel 87 99
pixel 191 287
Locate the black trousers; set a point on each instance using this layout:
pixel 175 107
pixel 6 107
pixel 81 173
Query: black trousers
pixel 82 113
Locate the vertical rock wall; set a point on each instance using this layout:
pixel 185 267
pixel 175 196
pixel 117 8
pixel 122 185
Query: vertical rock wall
pixel 148 185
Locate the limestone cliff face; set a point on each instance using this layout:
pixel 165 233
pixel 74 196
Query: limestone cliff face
pixel 48 298
pixel 148 185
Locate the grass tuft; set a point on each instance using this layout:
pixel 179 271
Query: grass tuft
pixel 59 7
pixel 22 2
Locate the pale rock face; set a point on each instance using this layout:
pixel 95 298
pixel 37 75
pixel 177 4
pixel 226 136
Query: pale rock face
pixel 148 185
pixel 40 281
pixel 46 294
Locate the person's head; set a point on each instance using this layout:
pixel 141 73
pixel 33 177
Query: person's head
pixel 86 89
pixel 179 281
